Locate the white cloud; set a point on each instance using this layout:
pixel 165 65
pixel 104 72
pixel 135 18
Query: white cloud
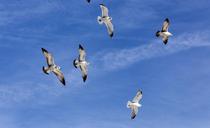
pixel 118 59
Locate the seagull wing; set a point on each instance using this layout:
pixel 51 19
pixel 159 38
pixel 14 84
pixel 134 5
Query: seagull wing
pixel 138 96
pixel 165 39
pixel 48 56
pixel 82 53
pixel 110 28
pixel 134 112
pixel 105 11
pixel 165 25
pixel 83 68
pixel 59 75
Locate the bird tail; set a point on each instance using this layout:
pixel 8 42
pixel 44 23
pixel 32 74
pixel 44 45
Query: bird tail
pixel 99 19
pixel 129 104
pixel 75 63
pixel 45 70
pixel 158 33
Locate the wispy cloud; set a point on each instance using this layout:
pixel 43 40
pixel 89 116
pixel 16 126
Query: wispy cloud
pixel 118 59
pixel 19 11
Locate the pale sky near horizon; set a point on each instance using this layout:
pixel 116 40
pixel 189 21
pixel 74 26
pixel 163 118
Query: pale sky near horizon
pixel 174 78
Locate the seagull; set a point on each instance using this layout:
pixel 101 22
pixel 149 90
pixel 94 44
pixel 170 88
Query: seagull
pixel 81 63
pixel 106 20
pixel 52 67
pixel 134 104
pixel 88 1
pixel 164 32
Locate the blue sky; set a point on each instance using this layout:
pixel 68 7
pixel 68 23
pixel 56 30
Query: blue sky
pixel 174 78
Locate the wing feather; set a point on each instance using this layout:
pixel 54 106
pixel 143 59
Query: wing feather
pixel 110 28
pixel 59 75
pixel 82 53
pixel 48 56
pixel 84 71
pixel 105 11
pixel 165 25
pixel 134 112
pixel 138 96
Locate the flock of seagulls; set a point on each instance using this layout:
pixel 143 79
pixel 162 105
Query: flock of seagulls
pixel 81 63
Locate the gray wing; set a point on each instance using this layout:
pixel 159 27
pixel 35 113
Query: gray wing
pixel 59 75
pixel 138 96
pixel 105 11
pixel 165 25
pixel 84 71
pixel 48 56
pixel 82 53
pixel 134 112
pixel 110 28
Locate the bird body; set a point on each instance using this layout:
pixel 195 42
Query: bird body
pixel 81 63
pixel 52 67
pixel 164 33
pixel 106 19
pixel 131 104
pixel 134 104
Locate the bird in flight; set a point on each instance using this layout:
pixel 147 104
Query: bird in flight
pixel 81 63
pixel 106 20
pixel 52 67
pixel 164 33
pixel 134 104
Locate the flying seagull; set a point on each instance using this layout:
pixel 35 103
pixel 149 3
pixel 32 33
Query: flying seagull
pixel 88 1
pixel 164 32
pixel 81 62
pixel 106 20
pixel 52 67
pixel 134 104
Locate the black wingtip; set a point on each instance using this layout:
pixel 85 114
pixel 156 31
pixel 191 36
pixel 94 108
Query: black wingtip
pixel 165 42
pixel 111 35
pixel 167 20
pixel 63 82
pixel 88 1
pixel 44 50
pixel 84 78
pixel 80 47
pixel 140 91
pixel 133 117
pixel 102 4
pixel 74 63
pixel 157 34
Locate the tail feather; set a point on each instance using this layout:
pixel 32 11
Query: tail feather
pixel 99 20
pixel 129 104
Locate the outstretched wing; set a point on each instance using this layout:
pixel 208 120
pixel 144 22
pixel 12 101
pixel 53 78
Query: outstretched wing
pixel 81 53
pixel 105 11
pixel 165 25
pixel 134 111
pixel 138 96
pixel 110 27
pixel 48 56
pixel 165 39
pixel 59 75
pixel 83 68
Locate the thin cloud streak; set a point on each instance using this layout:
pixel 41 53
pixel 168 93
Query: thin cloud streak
pixel 119 59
